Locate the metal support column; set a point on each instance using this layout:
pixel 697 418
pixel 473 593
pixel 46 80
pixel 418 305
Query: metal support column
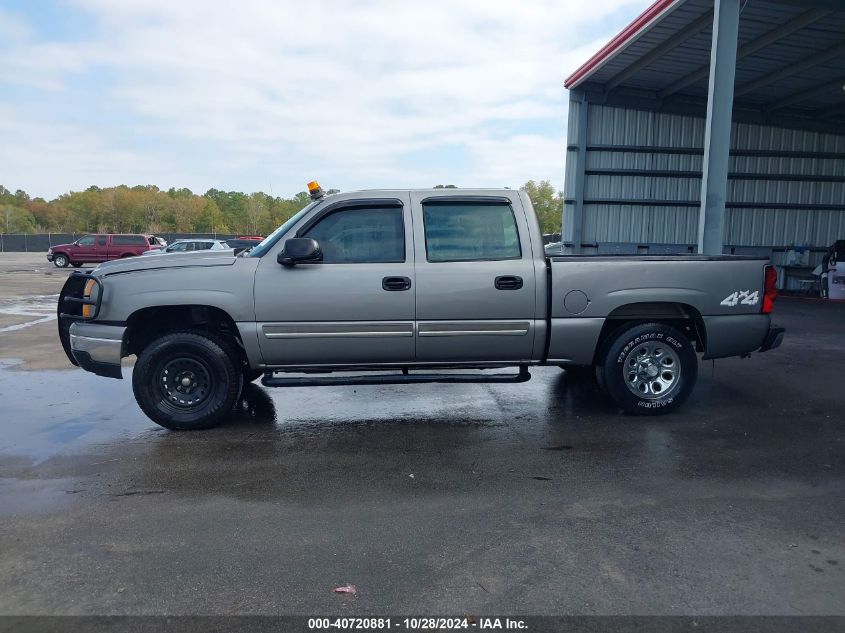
pixel 717 135
pixel 579 97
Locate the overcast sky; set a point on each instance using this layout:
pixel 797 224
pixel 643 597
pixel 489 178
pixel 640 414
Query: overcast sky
pixel 254 94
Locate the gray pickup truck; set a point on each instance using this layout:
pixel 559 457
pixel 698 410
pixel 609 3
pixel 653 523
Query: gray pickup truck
pixel 389 287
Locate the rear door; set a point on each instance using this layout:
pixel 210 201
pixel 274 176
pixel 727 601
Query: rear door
pixel 356 307
pixel 475 278
pixel 125 245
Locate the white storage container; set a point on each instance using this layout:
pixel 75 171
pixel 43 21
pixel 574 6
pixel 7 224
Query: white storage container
pixel 836 281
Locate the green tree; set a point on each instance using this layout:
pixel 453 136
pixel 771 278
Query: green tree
pixel 548 204
pixel 16 219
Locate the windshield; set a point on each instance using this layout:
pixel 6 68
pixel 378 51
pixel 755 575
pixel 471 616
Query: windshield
pixel 271 239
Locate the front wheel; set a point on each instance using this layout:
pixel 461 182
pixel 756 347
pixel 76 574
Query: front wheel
pixel 60 261
pixel 186 381
pixel 649 369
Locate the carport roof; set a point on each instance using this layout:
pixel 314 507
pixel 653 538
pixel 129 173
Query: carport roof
pixel 790 58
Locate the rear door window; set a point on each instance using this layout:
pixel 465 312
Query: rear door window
pixel 102 240
pixel 129 240
pixel 470 231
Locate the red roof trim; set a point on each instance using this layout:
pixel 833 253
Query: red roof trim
pixel 634 29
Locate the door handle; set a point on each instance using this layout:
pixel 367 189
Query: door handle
pixel 396 283
pixel 508 282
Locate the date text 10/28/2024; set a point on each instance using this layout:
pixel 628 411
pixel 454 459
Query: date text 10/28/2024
pixel 417 624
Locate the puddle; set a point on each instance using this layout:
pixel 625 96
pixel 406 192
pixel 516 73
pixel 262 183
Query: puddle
pixel 34 496
pixel 56 411
pixel 41 309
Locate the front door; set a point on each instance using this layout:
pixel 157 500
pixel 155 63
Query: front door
pixel 356 307
pixel 475 279
pixel 91 248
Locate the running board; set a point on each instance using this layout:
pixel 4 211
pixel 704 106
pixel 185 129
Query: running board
pixel 393 379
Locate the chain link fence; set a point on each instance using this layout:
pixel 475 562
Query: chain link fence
pixel 41 242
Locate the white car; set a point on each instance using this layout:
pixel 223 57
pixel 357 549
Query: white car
pixel 189 246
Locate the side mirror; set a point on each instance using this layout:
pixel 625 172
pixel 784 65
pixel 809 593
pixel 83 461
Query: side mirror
pixel 300 250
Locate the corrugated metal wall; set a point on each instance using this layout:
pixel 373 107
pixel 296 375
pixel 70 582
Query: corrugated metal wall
pixel 643 177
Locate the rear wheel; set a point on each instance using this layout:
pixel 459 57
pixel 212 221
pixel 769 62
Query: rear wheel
pixel 186 381
pixel 649 369
pixel 60 261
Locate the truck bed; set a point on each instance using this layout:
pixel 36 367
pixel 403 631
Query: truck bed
pixel 721 293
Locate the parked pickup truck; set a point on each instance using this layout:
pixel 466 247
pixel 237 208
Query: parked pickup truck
pixel 409 287
pixel 90 249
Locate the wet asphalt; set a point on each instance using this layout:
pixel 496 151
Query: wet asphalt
pixel 539 498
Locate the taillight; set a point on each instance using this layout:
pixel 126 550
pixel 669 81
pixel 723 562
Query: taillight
pixel 770 288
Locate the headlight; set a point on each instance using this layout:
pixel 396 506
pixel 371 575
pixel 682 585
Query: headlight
pixel 89 293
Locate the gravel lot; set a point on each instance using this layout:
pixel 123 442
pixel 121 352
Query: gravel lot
pixel 451 499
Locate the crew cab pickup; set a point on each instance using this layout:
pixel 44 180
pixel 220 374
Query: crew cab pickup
pixel 405 287
pixel 104 247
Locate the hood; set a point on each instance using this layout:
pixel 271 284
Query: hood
pixel 174 260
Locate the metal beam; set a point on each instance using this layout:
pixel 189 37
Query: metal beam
pixel 690 30
pixel 833 5
pixel 580 97
pixel 793 69
pixel 717 134
pixel 767 39
pixel 806 95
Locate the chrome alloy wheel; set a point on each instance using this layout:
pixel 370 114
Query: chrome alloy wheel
pixel 652 370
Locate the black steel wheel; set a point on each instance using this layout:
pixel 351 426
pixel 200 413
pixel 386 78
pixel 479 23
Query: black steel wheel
pixel 186 381
pixel 649 369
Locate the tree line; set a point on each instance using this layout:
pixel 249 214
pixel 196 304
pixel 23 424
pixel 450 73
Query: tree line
pixel 148 209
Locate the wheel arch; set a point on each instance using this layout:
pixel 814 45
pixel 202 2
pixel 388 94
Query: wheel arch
pixel 683 316
pixel 149 323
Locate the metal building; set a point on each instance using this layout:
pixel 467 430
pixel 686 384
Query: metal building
pixel 666 154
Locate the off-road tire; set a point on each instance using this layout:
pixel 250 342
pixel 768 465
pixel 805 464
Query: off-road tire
pixel 201 358
pixel 626 368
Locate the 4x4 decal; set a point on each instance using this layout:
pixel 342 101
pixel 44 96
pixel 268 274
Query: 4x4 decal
pixel 744 297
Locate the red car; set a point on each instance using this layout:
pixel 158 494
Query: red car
pixel 101 248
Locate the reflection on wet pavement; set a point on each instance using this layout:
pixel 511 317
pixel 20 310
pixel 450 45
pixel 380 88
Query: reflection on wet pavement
pixel 542 493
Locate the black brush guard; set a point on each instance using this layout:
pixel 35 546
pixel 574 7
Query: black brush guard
pixel 69 307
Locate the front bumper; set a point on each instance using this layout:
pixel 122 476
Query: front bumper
pixel 774 337
pixel 97 348
pixel 49 257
